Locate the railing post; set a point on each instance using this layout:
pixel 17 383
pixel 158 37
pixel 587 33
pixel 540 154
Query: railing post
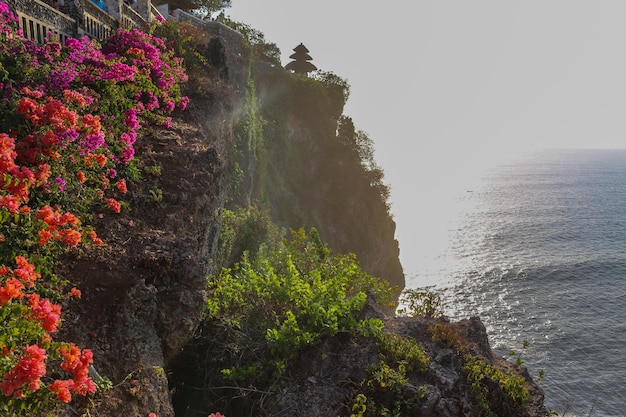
pixel 143 8
pixel 114 8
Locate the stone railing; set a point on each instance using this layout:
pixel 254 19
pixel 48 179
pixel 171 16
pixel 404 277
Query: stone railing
pixel 181 16
pixel 38 20
pixel 130 17
pixel 155 13
pixel 211 26
pixel 97 23
pixel 74 18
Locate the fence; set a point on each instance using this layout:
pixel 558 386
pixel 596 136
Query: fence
pixel 39 31
pixel 38 20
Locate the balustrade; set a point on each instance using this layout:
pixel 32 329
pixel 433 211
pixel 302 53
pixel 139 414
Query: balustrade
pixel 41 19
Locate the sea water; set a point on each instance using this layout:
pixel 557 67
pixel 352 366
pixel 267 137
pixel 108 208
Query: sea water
pixel 537 249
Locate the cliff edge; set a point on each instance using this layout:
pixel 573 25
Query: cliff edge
pixel 256 135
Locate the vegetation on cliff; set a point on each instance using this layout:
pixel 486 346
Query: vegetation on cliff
pixel 289 328
pixel 302 160
pixel 281 324
pixel 70 116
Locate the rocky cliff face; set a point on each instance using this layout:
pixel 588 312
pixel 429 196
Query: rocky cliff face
pixel 143 292
pixel 308 176
pixel 321 382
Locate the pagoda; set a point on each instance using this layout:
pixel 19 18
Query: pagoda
pixel 300 64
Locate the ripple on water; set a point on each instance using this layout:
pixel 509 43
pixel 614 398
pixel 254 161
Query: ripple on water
pixel 539 253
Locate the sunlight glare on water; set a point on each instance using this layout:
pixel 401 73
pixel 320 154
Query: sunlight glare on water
pixel 534 246
pixel 446 190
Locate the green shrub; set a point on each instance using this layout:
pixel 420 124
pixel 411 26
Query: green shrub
pixel 245 229
pixel 447 334
pixel 478 372
pixel 404 350
pixel 421 302
pixel 285 300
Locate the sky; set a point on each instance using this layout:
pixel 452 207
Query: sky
pixel 447 89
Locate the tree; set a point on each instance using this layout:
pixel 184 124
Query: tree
pixel 261 49
pixel 203 8
pixel 334 82
pixel 212 6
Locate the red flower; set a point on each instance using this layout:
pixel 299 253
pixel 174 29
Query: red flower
pixel 29 370
pixel 25 271
pixel 61 389
pixel 77 363
pixel 44 311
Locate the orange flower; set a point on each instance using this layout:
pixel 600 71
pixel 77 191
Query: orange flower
pixel 77 363
pixel 44 212
pixel 121 186
pixel 26 105
pixel 7 152
pixel 95 239
pixel 91 123
pixel 12 289
pixel 114 205
pixel 11 202
pixel 74 96
pixel 68 218
pixel 100 159
pixel 81 177
pixel 75 292
pixel 70 237
pixel 44 237
pixel 42 173
pixel 105 182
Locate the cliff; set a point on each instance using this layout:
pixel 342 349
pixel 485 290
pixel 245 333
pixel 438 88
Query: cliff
pixel 142 312
pixel 143 293
pixel 258 139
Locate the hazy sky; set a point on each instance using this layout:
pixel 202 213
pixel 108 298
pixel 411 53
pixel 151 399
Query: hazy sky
pixel 447 87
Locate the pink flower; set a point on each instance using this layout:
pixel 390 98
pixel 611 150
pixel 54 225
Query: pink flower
pixel 183 102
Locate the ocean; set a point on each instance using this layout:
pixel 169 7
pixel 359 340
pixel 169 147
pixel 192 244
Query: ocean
pixel 537 250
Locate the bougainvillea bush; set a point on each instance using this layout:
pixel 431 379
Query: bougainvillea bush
pixel 69 116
